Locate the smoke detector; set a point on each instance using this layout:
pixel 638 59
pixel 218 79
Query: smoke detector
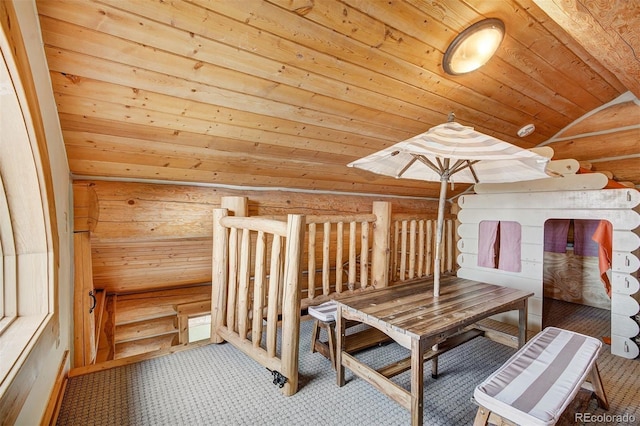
pixel 526 130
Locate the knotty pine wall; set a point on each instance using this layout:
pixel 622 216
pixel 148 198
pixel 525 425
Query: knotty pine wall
pixel 150 236
pixel 605 140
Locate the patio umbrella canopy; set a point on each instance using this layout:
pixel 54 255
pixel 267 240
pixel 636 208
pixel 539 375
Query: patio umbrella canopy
pixel 451 152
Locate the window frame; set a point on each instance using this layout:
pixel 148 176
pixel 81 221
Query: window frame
pixel 7 267
pixel 28 241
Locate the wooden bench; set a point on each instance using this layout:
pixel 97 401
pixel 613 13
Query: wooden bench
pixel 324 318
pixel 540 380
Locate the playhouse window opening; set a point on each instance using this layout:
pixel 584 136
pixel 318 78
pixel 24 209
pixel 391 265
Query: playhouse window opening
pixel 500 245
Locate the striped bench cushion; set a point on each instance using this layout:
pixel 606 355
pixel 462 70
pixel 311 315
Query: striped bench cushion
pixel 538 382
pixel 326 312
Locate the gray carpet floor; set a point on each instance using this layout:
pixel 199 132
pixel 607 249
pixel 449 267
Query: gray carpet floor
pixel 218 385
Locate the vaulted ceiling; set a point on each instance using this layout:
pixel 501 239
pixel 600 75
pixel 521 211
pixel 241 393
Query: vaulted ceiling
pixel 285 93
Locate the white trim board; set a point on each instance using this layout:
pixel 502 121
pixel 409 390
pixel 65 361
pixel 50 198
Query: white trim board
pixel 624 199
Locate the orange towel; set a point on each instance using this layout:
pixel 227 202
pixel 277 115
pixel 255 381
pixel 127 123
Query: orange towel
pixel 603 235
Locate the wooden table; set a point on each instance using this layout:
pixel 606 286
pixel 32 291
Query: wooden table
pixel 412 317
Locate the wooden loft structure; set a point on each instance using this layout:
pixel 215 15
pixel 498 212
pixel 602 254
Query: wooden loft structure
pixel 138 118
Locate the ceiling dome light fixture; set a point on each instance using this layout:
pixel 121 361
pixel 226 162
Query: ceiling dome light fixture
pixel 526 130
pixel 473 47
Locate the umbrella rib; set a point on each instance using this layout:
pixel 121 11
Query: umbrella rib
pixel 458 166
pixel 462 164
pixel 429 164
pixel 473 171
pixel 406 167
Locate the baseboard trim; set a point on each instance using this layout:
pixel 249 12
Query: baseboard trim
pixel 79 371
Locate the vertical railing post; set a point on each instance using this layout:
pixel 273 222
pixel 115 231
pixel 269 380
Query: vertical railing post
pixel 326 260
pixel 339 251
pixel 237 206
pixel 380 245
pixel 291 302
pixel 364 254
pixel 311 261
pixel 219 274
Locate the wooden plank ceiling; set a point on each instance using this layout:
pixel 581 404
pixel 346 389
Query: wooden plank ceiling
pixel 285 93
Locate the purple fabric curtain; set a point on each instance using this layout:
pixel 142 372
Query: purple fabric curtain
pixel 509 258
pixel 556 232
pixel 487 235
pixel 583 230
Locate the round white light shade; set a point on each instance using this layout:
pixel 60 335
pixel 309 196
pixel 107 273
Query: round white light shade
pixel 526 130
pixel 473 47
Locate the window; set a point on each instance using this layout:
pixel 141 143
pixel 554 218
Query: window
pixel 199 328
pixel 26 244
pixel 7 266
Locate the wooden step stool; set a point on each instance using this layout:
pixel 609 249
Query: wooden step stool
pixel 540 380
pixel 324 317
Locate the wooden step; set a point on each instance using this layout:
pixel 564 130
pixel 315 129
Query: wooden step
pixel 157 304
pixel 146 329
pixel 137 323
pixel 143 313
pixel 137 347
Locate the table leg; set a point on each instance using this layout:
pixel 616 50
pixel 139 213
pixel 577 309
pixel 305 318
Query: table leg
pixel 522 324
pixel 434 365
pixel 340 338
pixel 417 382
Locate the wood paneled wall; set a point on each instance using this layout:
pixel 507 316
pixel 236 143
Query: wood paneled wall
pixel 153 236
pixel 605 141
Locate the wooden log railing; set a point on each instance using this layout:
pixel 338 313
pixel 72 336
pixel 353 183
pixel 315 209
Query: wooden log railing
pixel 356 252
pixel 413 242
pixel 241 305
pixel 344 244
pixel 352 253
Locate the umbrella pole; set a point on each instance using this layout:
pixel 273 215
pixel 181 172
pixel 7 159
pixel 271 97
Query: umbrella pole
pixel 439 225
